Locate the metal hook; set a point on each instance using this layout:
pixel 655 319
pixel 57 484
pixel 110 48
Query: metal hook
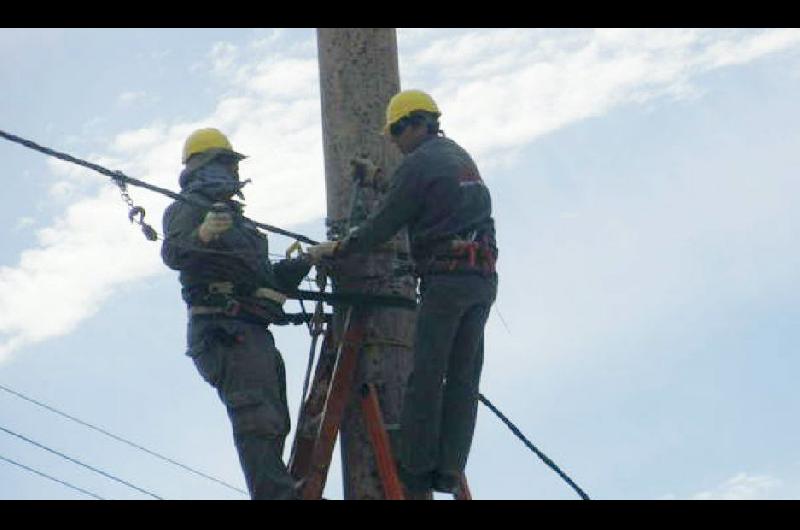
pixel 148 231
pixel 133 212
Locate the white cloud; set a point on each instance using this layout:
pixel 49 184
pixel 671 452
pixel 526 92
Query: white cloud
pixel 76 265
pixel 131 97
pixel 730 51
pixel 24 222
pixel 628 256
pixel 138 140
pixel 290 78
pixel 78 261
pixel 741 487
pixel 519 84
pixel 61 189
pixel 223 57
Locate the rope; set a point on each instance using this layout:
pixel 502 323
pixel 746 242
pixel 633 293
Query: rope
pixel 73 460
pixel 532 447
pixel 120 439
pixel 67 484
pixel 121 179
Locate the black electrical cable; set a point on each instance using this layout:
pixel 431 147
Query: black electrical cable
pixel 67 484
pixel 532 447
pixel 121 179
pixel 75 461
pixel 120 439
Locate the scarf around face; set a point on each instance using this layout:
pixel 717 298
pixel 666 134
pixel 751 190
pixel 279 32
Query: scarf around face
pixel 215 180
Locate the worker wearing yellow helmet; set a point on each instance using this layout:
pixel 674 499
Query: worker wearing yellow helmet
pixel 209 156
pixel 233 294
pixel 437 193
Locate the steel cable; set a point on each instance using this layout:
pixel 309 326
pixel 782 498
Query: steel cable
pixel 67 484
pixel 120 439
pixel 75 461
pixel 532 447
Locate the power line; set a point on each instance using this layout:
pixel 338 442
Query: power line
pixel 67 484
pixel 120 439
pixel 73 460
pixel 121 180
pixel 503 320
pixel 532 447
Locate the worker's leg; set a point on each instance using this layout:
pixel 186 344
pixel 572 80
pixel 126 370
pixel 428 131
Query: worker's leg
pixel 460 401
pixel 437 323
pixel 241 361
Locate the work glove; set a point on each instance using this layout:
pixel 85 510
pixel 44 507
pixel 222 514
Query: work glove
pixel 369 174
pixel 215 223
pixel 323 250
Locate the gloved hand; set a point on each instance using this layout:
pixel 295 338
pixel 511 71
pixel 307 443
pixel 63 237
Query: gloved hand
pixel 215 223
pixel 370 174
pixel 323 250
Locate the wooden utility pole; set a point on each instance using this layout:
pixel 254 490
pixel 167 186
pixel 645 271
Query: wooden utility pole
pixel 358 75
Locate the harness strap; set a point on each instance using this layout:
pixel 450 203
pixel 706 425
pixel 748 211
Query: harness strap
pixel 462 256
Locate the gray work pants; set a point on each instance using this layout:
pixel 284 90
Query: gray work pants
pixel 240 360
pixel 441 397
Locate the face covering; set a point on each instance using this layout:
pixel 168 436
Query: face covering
pixel 215 180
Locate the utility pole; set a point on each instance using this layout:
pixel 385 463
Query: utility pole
pixel 358 75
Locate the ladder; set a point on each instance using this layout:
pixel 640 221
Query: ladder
pixel 321 415
pixel 322 411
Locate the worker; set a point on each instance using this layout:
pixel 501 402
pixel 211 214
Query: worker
pixel 438 194
pixel 233 293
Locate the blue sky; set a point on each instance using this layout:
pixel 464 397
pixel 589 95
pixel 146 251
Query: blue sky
pixel 644 184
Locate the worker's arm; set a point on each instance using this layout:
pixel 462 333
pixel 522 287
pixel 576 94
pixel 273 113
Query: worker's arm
pixel 400 206
pixel 187 249
pixel 290 272
pixel 181 239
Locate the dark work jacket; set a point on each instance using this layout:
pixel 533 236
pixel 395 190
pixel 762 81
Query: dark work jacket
pixel 241 257
pixel 438 193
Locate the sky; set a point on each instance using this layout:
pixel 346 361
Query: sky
pixel 644 184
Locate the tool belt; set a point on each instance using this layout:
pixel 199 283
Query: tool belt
pixel 461 256
pixel 221 298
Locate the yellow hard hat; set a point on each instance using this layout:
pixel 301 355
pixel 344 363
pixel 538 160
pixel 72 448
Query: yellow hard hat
pixel 204 139
pixel 404 103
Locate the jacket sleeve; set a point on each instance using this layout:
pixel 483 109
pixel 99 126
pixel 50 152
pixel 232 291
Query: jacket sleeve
pixel 183 250
pixel 290 272
pixel 401 205
pixel 180 235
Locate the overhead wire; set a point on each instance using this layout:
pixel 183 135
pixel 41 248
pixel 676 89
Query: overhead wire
pixel 78 462
pixel 121 439
pixel 532 447
pixel 121 180
pixel 45 475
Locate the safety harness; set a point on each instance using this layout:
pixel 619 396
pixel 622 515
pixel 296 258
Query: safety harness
pixel 263 305
pixel 473 254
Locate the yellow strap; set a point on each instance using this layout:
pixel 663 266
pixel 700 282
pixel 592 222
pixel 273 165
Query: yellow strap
pixel 270 294
pixel 294 246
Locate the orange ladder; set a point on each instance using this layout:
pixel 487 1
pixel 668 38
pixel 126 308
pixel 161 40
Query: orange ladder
pixel 322 414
